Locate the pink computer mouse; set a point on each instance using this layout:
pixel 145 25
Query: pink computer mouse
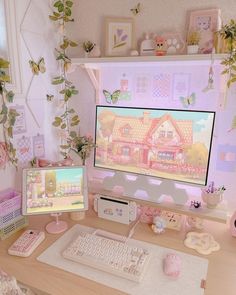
pixel 172 265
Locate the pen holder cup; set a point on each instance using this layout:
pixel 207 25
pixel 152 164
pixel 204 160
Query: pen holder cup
pixel 212 199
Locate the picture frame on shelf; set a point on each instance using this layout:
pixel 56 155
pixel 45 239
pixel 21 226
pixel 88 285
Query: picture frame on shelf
pixel 119 34
pixel 206 22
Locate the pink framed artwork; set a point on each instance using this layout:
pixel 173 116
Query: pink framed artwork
pixel 119 36
pixel 206 23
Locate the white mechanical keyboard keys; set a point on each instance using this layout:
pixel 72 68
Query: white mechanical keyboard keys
pixel 109 255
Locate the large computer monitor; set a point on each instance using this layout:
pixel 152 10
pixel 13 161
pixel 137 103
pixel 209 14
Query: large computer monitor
pixel 54 190
pixel 164 143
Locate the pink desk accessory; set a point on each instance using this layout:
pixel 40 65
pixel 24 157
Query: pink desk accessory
pixel 172 265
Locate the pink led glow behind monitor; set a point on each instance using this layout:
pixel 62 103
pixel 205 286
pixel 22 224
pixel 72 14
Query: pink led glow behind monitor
pixel 170 144
pixel 54 190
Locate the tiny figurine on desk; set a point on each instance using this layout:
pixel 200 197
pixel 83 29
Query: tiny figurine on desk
pixel 158 225
pixel 147 46
pixel 160 46
pixel 212 196
pixel 195 204
pixel 194 222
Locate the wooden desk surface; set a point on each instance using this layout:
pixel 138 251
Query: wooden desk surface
pixel 221 277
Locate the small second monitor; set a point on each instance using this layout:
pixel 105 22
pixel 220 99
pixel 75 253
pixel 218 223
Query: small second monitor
pixel 54 190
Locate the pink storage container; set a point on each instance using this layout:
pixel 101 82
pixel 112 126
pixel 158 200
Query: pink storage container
pixel 10 201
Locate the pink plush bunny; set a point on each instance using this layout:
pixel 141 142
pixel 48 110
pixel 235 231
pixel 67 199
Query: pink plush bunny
pixel 172 265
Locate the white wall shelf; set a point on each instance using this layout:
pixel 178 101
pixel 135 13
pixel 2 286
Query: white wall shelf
pixel 93 66
pixel 196 59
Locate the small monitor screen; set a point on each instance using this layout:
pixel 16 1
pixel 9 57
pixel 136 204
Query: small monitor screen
pixel 54 190
pixel 170 144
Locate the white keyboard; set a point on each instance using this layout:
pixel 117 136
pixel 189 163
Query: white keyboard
pixel 110 255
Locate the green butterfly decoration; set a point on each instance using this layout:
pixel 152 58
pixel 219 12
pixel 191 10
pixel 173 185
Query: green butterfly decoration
pixel 38 67
pixel 111 98
pixel 189 100
pixel 50 97
pixel 136 9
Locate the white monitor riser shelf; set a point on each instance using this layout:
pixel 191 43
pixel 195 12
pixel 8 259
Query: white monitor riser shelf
pixel 147 191
pixel 145 185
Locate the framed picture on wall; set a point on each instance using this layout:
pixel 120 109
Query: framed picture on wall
pixel 119 36
pixel 206 23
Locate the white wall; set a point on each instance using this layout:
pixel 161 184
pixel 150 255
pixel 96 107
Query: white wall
pixel 36 38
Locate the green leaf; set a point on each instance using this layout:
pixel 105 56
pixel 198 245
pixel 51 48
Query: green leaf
pixel 10 131
pixel 56 124
pixel 58 3
pixel 4 64
pixel 74 92
pixel 73 44
pixel 71 111
pixel 54 18
pixel 10 96
pixel 68 11
pixel 73 134
pixel 75 118
pixel 59 81
pixel 65 146
pixel 58 119
pixel 4 109
pixel 60 8
pixel 69 3
pixel 3 118
pixel 74 123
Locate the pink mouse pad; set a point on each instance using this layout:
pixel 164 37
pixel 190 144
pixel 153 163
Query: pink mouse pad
pixel 172 265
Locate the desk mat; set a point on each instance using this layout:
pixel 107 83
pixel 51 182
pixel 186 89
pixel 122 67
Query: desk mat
pixel 155 282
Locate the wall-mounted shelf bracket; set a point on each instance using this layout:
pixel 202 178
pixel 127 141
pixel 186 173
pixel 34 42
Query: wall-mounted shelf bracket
pixel 95 77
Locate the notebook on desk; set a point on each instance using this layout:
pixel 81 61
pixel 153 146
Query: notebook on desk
pixel 154 282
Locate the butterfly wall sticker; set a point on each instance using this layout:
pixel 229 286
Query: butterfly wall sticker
pixel 50 97
pixel 189 100
pixel 38 67
pixel 111 98
pixel 136 9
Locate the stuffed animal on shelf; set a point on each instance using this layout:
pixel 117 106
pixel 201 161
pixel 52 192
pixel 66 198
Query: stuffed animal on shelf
pixel 161 46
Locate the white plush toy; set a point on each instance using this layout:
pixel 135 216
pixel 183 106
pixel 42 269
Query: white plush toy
pixel 158 225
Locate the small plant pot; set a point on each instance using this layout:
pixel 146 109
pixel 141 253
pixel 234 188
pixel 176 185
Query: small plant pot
pixel 212 199
pixel 192 49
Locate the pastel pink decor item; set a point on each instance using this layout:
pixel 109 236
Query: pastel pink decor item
pixel 172 265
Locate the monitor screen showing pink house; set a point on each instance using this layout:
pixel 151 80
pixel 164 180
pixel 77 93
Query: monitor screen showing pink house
pixel 171 144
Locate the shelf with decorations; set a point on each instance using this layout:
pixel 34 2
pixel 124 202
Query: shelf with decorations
pixel 93 66
pixel 98 62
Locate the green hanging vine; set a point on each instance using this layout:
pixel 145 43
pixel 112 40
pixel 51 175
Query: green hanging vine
pixel 7 115
pixel 68 118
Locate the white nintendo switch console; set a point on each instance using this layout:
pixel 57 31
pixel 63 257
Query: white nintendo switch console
pixel 115 209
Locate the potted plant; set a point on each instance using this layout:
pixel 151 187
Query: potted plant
pixel 228 34
pixel 81 145
pixel 7 115
pixel 193 42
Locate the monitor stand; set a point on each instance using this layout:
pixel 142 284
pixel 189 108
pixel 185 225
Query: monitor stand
pixel 131 186
pixel 57 226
